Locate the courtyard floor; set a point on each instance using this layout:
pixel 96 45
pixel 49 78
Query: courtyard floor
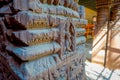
pixel 95 71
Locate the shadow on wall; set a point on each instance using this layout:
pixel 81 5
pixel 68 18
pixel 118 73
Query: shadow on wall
pixel 99 43
pixel 113 54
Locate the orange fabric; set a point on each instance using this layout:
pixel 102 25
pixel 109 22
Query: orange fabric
pixel 89 30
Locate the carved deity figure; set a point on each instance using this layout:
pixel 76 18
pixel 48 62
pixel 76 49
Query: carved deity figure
pixel 68 41
pixel 69 38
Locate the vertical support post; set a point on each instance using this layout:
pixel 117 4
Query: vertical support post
pixel 107 34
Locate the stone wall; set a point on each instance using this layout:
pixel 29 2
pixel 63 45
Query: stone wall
pixel 42 40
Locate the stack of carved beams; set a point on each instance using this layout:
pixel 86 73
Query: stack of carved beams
pixel 103 11
pixel 41 40
pixel 115 10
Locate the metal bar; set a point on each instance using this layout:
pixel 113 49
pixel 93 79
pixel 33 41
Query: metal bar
pixel 107 35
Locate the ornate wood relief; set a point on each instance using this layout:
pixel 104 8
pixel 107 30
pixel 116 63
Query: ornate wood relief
pixel 41 39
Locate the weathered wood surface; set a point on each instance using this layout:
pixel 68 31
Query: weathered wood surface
pixel 40 39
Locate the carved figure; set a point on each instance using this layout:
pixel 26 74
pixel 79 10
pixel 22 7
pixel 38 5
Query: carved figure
pixel 68 41
pixel 35 36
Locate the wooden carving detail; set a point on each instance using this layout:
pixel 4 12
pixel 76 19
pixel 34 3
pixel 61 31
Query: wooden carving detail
pixel 70 37
pixel 40 39
pixel 56 2
pixel 43 1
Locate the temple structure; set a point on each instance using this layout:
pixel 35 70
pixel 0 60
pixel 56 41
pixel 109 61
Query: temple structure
pixel 106 44
pixel 41 40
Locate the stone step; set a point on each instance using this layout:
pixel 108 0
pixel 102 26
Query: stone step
pixel 34 52
pixel 33 37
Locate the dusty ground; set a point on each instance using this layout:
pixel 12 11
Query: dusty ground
pixel 95 71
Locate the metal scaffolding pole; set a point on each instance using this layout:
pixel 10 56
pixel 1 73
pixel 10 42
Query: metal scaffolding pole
pixel 107 34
